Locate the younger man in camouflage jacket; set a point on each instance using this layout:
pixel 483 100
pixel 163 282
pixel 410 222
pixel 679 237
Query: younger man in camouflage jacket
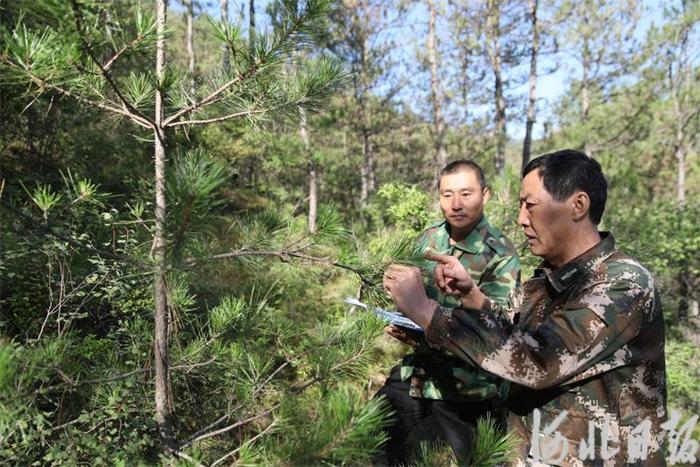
pixel 430 382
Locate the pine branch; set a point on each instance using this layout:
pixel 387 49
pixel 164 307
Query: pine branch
pixel 259 435
pixel 281 43
pixel 284 256
pixel 124 48
pixel 243 113
pixel 232 426
pixel 213 97
pixel 78 97
pixel 104 72
pixel 67 381
pixel 204 433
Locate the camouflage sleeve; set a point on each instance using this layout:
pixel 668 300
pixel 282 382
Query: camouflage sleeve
pixel 504 276
pixel 564 348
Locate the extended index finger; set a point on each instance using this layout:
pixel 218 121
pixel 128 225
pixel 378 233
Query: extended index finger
pixel 433 256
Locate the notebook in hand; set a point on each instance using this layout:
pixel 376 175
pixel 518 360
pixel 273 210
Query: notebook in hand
pixel 392 317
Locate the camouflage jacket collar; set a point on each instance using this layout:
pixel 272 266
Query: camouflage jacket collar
pixel 473 243
pixel 560 280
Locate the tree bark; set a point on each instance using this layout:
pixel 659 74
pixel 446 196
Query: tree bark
pixel 189 4
pixel 225 52
pixel 251 22
pixel 532 94
pixel 311 166
pixel 367 169
pixel 494 31
pixel 440 156
pixel 163 389
pixel 680 119
pixel 585 83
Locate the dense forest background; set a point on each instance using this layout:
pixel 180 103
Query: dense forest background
pixel 187 195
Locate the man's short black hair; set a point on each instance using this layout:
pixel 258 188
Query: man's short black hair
pixel 460 165
pixel 567 171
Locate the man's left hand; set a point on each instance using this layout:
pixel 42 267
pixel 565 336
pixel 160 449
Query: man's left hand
pixel 405 286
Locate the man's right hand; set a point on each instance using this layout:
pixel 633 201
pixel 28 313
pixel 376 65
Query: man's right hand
pixel 450 275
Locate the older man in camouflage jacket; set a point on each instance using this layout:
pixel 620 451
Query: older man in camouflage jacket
pixel 436 383
pixel 584 345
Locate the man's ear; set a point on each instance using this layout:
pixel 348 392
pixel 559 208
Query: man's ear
pixel 580 205
pixel 486 192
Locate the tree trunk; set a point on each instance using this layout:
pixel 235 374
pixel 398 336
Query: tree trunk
pixel 585 87
pixel 163 390
pixel 225 52
pixel 367 169
pixel 251 22
pixel 494 31
pixel 313 199
pixel 532 95
pixel 440 156
pixel 189 4
pixel 680 159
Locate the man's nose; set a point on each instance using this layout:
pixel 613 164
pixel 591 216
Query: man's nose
pixel 456 203
pixel 523 219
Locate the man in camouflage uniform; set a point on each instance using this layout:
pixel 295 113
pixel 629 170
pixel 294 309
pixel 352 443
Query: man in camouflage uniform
pixel 584 345
pixel 430 382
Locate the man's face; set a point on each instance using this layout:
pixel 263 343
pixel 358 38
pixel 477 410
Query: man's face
pixel 462 200
pixel 546 222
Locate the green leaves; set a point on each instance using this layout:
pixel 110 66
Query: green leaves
pixel 140 90
pixel 44 198
pixel 224 316
pixel 344 430
pixel 492 447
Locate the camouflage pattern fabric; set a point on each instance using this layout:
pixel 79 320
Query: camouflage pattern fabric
pixel 493 263
pixel 588 339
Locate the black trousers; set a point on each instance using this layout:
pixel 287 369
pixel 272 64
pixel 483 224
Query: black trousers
pixel 455 421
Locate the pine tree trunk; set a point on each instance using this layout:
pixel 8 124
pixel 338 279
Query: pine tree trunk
pixel 251 22
pixel 163 390
pixel 585 88
pixel 313 199
pixel 440 157
pixel 679 142
pixel 225 57
pixel 495 56
pixel 190 42
pixel 367 169
pixel 679 154
pixel 532 94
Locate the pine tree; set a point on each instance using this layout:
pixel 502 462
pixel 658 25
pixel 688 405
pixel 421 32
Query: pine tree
pixel 81 61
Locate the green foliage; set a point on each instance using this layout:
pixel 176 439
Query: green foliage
pixel 402 206
pixel 491 446
pixel 343 429
pixel 429 454
pixel 260 338
pixel 682 373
